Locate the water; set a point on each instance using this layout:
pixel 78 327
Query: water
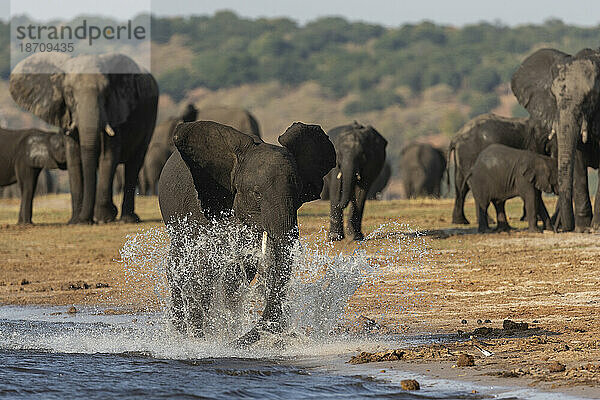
pixel 45 353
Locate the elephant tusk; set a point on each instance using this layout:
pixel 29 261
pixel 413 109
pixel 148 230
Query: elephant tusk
pixel 264 243
pixel 339 175
pixel 109 130
pixel 584 131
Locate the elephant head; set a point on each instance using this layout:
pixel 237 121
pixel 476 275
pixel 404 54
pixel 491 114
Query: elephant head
pixel 543 174
pixel 83 96
pixel 562 93
pixel 190 114
pixel 262 184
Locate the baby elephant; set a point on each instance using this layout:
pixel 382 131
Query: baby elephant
pixel 23 154
pixel 501 173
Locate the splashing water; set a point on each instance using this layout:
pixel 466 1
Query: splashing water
pixel 324 276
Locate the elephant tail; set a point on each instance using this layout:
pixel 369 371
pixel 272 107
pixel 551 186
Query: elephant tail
pixel 451 152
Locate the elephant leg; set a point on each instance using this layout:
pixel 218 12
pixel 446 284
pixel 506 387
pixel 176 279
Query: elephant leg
pixel 596 220
pixel 503 225
pixel 461 189
pixel 581 194
pixel 357 207
pixel 132 170
pixel 543 213
pixel 530 197
pixel 336 211
pixel 73 155
pixel 27 178
pixel 105 209
pixel 143 182
pixel 482 216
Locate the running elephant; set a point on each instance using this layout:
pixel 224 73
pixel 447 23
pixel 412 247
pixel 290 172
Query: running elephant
pixel 219 173
pixel 360 154
pixel 107 106
pixel 421 168
pixel 23 155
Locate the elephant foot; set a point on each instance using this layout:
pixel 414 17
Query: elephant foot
pixel 130 219
pixel 582 224
pixel 503 227
pixel 254 334
pixel 358 236
pixel 582 229
pixel 25 223
pixel 596 224
pixel 105 213
pixel 484 230
pixel 535 229
pixel 460 220
pixel 81 221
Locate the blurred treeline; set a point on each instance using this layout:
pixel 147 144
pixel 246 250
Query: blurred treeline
pixel 368 59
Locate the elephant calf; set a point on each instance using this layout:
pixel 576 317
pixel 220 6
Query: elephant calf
pixel 23 155
pixel 501 173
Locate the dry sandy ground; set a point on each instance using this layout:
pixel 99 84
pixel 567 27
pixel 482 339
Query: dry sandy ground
pixel 435 278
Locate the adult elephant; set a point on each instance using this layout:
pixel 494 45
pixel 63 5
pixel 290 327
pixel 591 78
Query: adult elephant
pixel 382 179
pixel 483 131
pixel 360 154
pixel 220 173
pixel 161 145
pixel 422 167
pixel 109 118
pixel 562 93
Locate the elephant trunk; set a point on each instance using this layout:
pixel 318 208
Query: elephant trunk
pixel 348 178
pixel 89 127
pixel 568 132
pixel 282 232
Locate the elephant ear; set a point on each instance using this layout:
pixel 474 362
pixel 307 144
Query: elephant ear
pixel 532 84
pixel 129 87
pixel 314 154
pixel 211 152
pixel 36 84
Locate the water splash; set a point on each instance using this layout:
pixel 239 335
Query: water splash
pixel 326 277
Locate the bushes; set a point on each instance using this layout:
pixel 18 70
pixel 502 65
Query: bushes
pixel 372 100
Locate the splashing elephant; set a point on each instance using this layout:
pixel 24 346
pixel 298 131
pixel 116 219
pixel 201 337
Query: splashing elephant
pixel 562 93
pixel 360 154
pixel 108 117
pixel 217 173
pixel 383 178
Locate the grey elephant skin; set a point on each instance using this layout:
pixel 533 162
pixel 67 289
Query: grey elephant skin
pixel 383 178
pixel 23 155
pixel 483 131
pixel 161 145
pixel 421 168
pixel 47 183
pixel 109 118
pixel 217 172
pixel 501 173
pixel 562 93
pixel 360 154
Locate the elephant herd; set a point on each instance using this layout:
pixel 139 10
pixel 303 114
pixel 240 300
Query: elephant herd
pixel 213 165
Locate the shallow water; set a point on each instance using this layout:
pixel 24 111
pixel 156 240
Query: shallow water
pixel 96 356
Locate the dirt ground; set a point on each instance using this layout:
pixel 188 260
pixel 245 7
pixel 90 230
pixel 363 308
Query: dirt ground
pixel 436 279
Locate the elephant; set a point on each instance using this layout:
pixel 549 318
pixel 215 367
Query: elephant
pixel 483 131
pixel 108 118
pixel 46 184
pixel 421 167
pixel 360 154
pixel 501 173
pixel 382 179
pixel 161 145
pixel 561 92
pixel 218 173
pixel 23 155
